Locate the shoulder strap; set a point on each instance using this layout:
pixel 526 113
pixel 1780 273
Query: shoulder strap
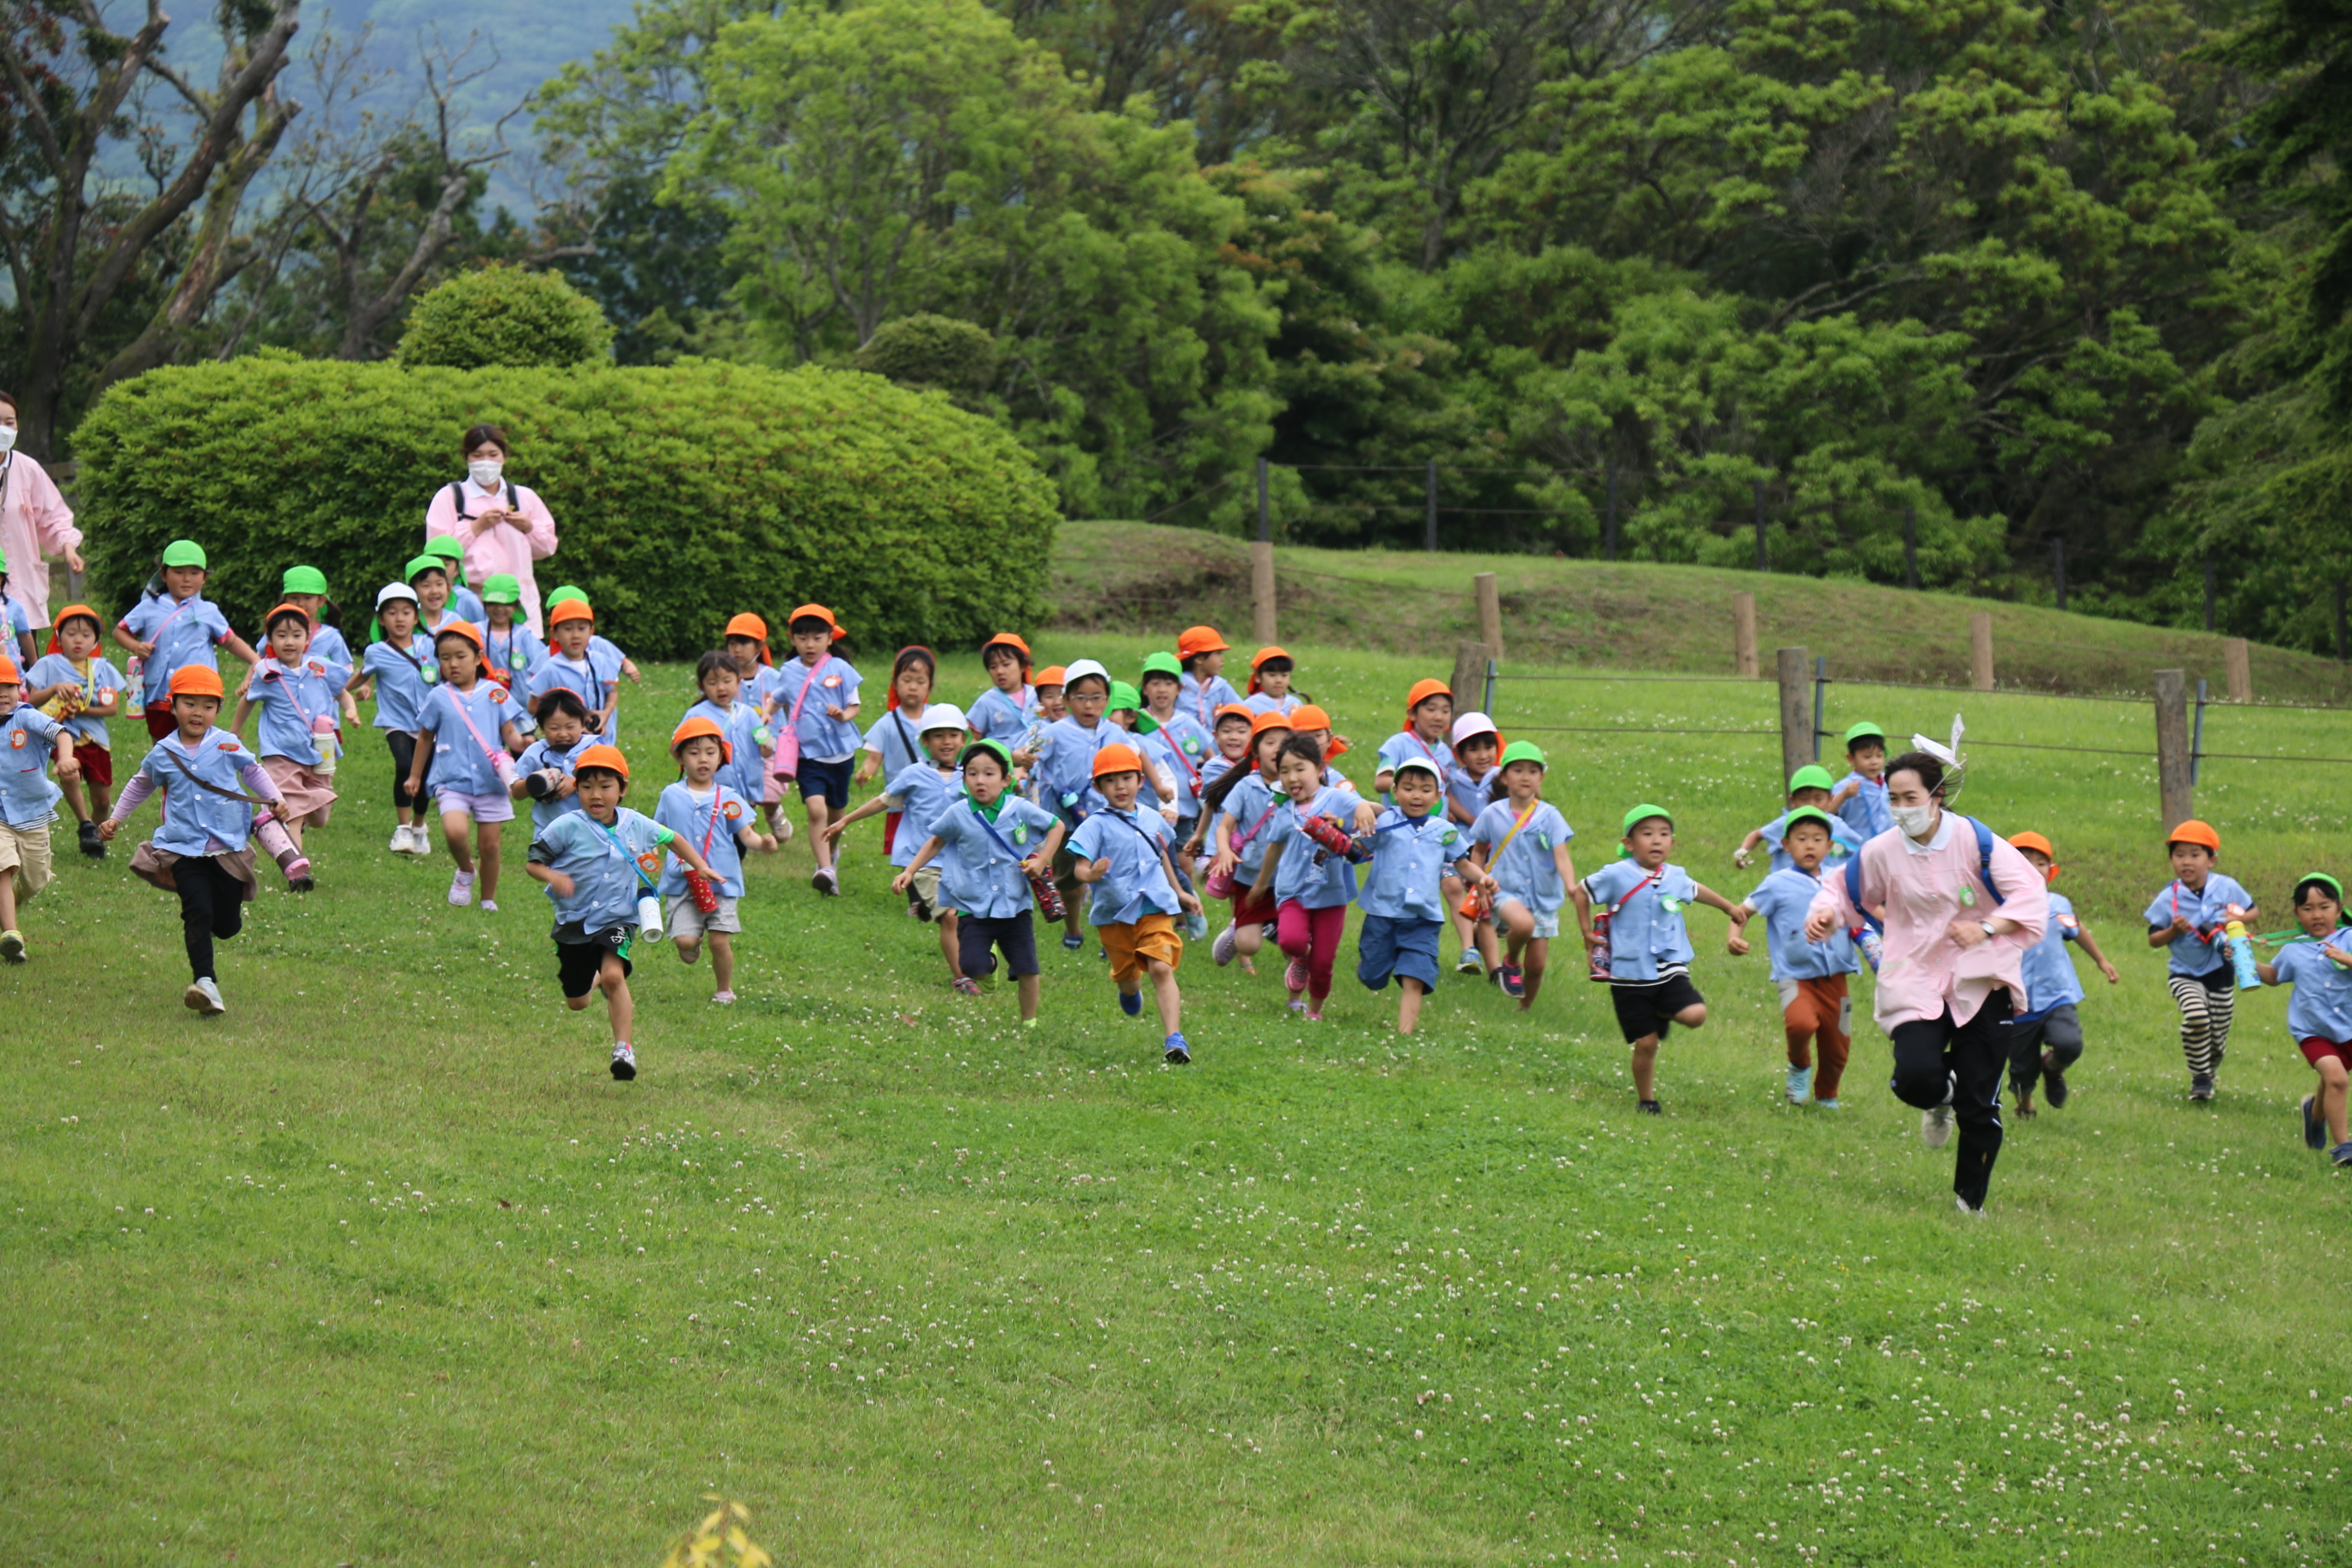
pixel 807 685
pixel 990 828
pixel 514 498
pixel 1984 859
pixel 181 769
pixel 457 499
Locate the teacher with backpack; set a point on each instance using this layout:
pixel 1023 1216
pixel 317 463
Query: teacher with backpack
pixel 1960 906
pixel 502 526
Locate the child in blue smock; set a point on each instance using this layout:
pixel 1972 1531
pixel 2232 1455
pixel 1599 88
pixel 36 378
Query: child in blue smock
pixel 1649 946
pixel 29 739
pixel 1005 711
pixel 544 774
pixel 176 630
pixel 2046 1037
pixel 577 664
pixel 1812 975
pixel 1064 774
pixel 749 742
pixel 297 694
pixel 1415 852
pixel 1201 651
pixel 2190 919
pixel 1810 788
pixel 2318 965
pixel 399 671
pixel 814 701
pixel 1122 854
pixel 714 816
pixel 988 843
pixel 1860 797
pixel 510 649
pixel 919 792
pixel 1469 784
pixel 1312 884
pixel 1527 873
pixel 466 745
pixel 74 683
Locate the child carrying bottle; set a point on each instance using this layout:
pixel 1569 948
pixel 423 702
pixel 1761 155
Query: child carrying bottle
pixel 296 694
pixel 200 851
pixel 400 671
pixel 2047 1038
pixel 919 792
pixel 1527 873
pixel 1004 711
pixel 176 630
pixel 2191 919
pixel 895 743
pixel 703 905
pixel 1648 945
pixel 991 848
pixel 74 684
pixel 1269 684
pixel 1242 804
pixel 544 774
pixel 1415 852
pixel 1313 883
pixel 598 865
pixel 29 739
pixel 1123 854
pixel 719 677
pixel 1476 743
pixel 466 741
pixel 1812 975
pixel 2319 1015
pixel 815 698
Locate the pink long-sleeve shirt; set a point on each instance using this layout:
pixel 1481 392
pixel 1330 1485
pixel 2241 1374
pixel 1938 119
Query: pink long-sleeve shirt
pixel 501 547
pixel 1916 890
pixel 33 517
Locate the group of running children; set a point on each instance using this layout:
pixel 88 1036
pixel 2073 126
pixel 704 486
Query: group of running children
pixel 1061 792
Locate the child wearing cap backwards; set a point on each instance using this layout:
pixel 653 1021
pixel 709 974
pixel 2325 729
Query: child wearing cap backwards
pixel 2047 1038
pixel 1860 797
pixel 693 808
pixel 1201 651
pixel 1269 685
pixel 597 863
pixel 200 849
pixel 543 772
pixel 1123 853
pixel 295 691
pixel 464 604
pixel 1476 743
pixel 1649 946
pixel 719 677
pixel 1312 886
pixel 1004 711
pixel 509 647
pixel 1809 789
pixel 918 794
pixel 2319 1015
pixel 817 698
pixel 399 671
pixel 1416 854
pixel 2190 918
pixel 578 666
pixel 28 738
pixel 1241 805
pixel 74 684
pixel 176 630
pixel 1064 775
pixel 466 738
pixel 988 843
pixel 895 743
pixel 1524 871
pixel 1812 975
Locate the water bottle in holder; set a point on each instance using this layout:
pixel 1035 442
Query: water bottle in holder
pixel 2242 949
pixel 1597 953
pixel 322 736
pixel 1873 945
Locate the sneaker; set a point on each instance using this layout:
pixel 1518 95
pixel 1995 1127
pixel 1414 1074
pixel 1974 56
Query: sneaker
pixel 1827 1105
pixel 1028 1023
pixel 920 910
pixel 461 889
pixel 1314 1017
pixel 2315 1132
pixel 2054 1090
pixel 1513 982
pixel 1801 1085
pixel 964 984
pixel 1298 1002
pixel 489 906
pixel 1469 965
pixel 1649 1107
pixel 826 880
pixel 625 1063
pixel 1222 949
pixel 2201 1086
pixel 91 844
pixel 399 844
pixel 1072 942
pixel 1294 978
pixel 1179 1053
pixel 203 998
pixel 1131 1004
pixel 722 998
pixel 1974 1211
pixel 420 841
pixel 1935 1126
pixel 2343 1155
pixel 1271 932
pixel 12 946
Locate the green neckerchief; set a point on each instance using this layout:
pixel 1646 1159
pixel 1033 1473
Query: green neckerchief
pixel 993 808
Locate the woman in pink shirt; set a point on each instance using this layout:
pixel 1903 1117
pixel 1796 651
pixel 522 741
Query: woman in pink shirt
pixel 1960 906
pixel 504 526
pixel 34 520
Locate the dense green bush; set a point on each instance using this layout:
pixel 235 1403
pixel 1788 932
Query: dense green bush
pixel 505 316
pixel 926 351
pixel 681 495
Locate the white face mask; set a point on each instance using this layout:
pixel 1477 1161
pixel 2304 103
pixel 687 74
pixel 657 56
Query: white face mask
pixel 1916 821
pixel 484 472
pixel 8 438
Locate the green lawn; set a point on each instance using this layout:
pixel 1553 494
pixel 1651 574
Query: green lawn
pixel 383 1267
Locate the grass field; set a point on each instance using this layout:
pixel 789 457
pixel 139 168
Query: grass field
pixel 381 1267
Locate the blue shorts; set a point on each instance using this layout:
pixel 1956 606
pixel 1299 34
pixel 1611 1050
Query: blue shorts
pixel 1406 950
pixel 825 781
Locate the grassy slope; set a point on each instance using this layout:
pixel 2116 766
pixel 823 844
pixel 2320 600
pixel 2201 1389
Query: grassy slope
pixel 381 1267
pixel 1118 575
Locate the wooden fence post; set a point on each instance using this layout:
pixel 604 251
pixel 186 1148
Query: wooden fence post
pixel 2240 667
pixel 1796 672
pixel 2174 781
pixel 1981 650
pixel 1743 636
pixel 1490 614
pixel 1470 676
pixel 1261 591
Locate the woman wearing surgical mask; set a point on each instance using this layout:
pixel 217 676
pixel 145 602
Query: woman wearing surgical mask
pixel 35 521
pixel 503 526
pixel 1960 908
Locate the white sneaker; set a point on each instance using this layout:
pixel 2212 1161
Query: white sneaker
pixel 1935 1126
pixel 1223 949
pixel 1963 1203
pixel 399 844
pixel 461 889
pixel 419 842
pixel 625 1063
pixel 204 999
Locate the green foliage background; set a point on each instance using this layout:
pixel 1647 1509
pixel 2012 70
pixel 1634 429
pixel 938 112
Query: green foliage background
pixel 681 495
pixel 505 316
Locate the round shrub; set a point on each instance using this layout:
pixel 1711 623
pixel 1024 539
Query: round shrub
pixel 505 316
pixel 924 350
pixel 682 494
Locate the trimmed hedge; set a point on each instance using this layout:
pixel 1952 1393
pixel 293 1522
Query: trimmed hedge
pixel 506 316
pixel 682 494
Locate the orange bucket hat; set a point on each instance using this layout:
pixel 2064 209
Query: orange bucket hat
pixel 2195 832
pixel 1116 758
pixel 2034 841
pixel 564 610
pixel 608 758
pixel 818 612
pixel 68 613
pixel 1241 711
pixel 1261 723
pixel 11 676
pixel 1309 715
pixel 190 680
pixel 286 610
pixel 1049 675
pixel 1007 639
pixel 1257 661
pixel 466 629
pixel 1194 640
pixel 698 725
pixel 1422 690
pixel 748 625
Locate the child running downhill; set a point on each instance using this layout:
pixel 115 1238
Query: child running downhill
pixel 1812 975
pixel 1416 854
pixel 74 684
pixel 1526 871
pixel 2047 1038
pixel 2191 919
pixel 993 847
pixel 1123 854
pixel 2319 1015
pixel 715 817
pixel 1649 947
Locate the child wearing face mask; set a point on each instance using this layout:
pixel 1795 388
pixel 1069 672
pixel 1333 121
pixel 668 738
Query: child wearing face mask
pixel 500 526
pixel 295 695
pixel 74 684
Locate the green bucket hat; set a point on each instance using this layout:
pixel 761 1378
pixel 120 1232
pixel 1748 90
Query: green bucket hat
pixel 502 588
pixel 1159 664
pixel 1810 776
pixel 1644 812
pixel 1808 814
pixel 566 591
pixel 303 580
pixel 445 546
pixel 184 553
pixel 996 749
pixel 420 565
pixel 1865 730
pixel 1124 696
pixel 2324 879
pixel 1524 751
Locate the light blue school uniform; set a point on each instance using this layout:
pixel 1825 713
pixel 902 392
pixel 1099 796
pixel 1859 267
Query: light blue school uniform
pixel 1842 843
pixel 285 701
pixel 28 739
pixel 997 714
pixel 468 604
pixel 514 652
pixel 184 632
pixel 605 863
pixel 1287 704
pixel 462 755
pixel 592 681
pixel 1185 749
pixel 20 621
pixel 538 757
pixel 2208 911
pixel 896 739
pixel 1645 935
pixel 1865 810
pixel 1202 698
pixel 403 678
pixel 710 824
pixel 1306 872
pixel 1411 857
pixel 328 646
pixel 1524 872
pixel 980 872
pixel 745 771
pixel 1066 766
pixel 822 739
pixel 1253 805
pixel 196 820
pixel 102 681
pixel 1136 885
pixel 1215 768
pixel 2321 1007
pixel 2049 973
pixel 924 792
pixel 1405 746
pixel 1467 792
pixel 1785 898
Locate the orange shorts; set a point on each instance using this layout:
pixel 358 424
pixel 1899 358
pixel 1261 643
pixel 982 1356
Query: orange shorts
pixel 1132 946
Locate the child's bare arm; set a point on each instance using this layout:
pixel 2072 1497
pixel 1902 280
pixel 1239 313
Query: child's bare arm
pixel 1843 793
pixel 424 761
pixel 1705 895
pixel 932 846
pixel 243 708
pixel 2269 971
pixel 123 638
pixel 2082 935
pixel 239 646
pixel 689 854
pixel 880 803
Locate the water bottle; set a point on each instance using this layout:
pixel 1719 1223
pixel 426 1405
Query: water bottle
pixel 649 917
pixel 2241 954
pixel 1873 945
pixel 1598 952
pixel 322 736
pixel 132 672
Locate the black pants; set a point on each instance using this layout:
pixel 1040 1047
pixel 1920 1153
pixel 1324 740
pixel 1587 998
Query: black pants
pixel 2059 1031
pixel 1015 935
pixel 212 904
pixel 1935 1057
pixel 403 757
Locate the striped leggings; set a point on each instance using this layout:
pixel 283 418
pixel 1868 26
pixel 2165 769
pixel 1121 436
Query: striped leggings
pixel 2204 1022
